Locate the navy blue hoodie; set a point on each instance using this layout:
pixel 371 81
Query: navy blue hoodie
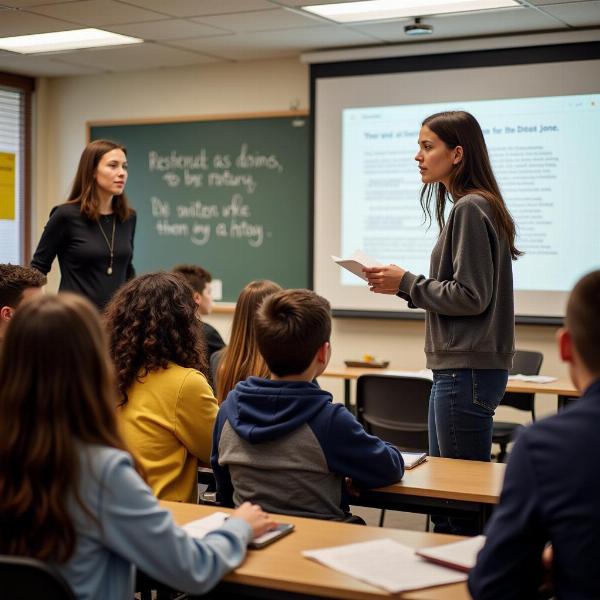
pixel 287 447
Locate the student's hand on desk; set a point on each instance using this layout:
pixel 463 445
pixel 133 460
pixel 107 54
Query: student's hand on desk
pixel 256 517
pixel 384 280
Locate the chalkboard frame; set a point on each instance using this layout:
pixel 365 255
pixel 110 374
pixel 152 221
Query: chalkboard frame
pixel 229 307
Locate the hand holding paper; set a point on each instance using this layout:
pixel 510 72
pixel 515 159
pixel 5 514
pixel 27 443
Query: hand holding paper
pixel 357 262
pixel 385 279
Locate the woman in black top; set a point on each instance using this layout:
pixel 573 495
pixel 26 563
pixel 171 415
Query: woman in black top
pixel 92 233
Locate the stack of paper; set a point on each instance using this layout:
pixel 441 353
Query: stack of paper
pixel 386 564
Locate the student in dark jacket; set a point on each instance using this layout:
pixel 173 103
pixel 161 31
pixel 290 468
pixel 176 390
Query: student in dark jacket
pixel 200 280
pixel 282 440
pixel 551 489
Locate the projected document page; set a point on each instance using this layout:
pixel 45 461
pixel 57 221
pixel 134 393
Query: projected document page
pixel 544 152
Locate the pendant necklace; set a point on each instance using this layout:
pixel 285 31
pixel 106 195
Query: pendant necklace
pixel 111 244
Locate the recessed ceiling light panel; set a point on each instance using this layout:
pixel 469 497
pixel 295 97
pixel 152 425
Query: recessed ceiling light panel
pixel 60 41
pixel 379 10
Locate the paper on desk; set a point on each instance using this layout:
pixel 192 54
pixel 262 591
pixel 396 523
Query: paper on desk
pixel 200 527
pixel 532 378
pixel 385 564
pixel 457 555
pixel 356 263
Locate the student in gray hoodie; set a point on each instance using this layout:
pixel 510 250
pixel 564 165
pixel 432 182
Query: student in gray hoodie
pixel 468 296
pixel 281 441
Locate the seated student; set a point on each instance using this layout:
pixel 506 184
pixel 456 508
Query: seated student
pixel 70 494
pixel 16 284
pixel 242 358
pixel 200 281
pixel 282 439
pixel 551 487
pixel 167 406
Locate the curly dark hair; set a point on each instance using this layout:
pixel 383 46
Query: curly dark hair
pixel 152 321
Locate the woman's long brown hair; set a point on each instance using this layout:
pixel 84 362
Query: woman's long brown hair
pixel 472 175
pixel 241 358
pixel 83 191
pixel 57 394
pixel 151 322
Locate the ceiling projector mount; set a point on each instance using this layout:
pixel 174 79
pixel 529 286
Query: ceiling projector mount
pixel 418 28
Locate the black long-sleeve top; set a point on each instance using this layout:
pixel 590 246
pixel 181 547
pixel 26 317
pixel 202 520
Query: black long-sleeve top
pixel 83 254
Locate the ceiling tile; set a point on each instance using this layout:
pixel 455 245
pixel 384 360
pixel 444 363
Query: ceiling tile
pixel 578 14
pixel 249 46
pixel 509 20
pixel 95 13
pixel 138 57
pixel 196 8
pixel 28 3
pixel 263 20
pixel 16 22
pixel 544 2
pixel 298 3
pixel 170 29
pixel 40 66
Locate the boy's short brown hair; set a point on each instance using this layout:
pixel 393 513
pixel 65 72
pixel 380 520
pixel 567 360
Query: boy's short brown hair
pixel 14 280
pixel 196 276
pixel 583 320
pixel 290 327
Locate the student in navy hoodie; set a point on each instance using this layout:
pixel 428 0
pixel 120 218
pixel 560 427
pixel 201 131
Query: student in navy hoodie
pixel 281 442
pixel 548 516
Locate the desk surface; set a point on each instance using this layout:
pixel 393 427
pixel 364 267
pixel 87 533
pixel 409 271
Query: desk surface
pixel 561 387
pixel 452 479
pixel 282 567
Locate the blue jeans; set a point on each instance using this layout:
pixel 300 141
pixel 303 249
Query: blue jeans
pixel 461 409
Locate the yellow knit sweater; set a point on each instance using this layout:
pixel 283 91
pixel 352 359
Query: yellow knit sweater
pixel 167 424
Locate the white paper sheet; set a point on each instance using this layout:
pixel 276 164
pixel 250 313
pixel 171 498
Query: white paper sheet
pixel 356 263
pixel 533 378
pixel 386 564
pixel 200 527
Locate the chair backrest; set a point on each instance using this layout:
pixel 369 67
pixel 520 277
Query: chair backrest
pixel 27 578
pixel 395 408
pixel 525 362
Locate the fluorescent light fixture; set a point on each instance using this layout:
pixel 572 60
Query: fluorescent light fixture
pixel 58 41
pixel 379 10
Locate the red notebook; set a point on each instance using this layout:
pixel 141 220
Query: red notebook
pixel 457 555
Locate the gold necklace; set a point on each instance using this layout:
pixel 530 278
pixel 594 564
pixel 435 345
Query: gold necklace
pixel 111 244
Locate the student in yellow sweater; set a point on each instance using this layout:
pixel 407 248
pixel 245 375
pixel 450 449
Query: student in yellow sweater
pixel 167 406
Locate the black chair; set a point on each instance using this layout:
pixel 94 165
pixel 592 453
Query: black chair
pixel 28 579
pixel 395 409
pixel 525 362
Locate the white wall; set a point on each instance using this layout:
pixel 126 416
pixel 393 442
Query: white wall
pixel 64 105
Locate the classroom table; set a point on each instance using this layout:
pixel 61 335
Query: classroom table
pixel 445 486
pixel 563 388
pixel 280 570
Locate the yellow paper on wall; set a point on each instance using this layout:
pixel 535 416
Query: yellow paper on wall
pixel 7 185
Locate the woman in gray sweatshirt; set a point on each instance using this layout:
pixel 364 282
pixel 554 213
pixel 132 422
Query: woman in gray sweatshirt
pixel 468 296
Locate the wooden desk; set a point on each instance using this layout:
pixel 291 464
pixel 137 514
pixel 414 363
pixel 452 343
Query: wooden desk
pixel 563 388
pixel 442 485
pixel 280 571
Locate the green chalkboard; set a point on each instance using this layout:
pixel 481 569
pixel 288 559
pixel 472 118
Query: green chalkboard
pixel 229 194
